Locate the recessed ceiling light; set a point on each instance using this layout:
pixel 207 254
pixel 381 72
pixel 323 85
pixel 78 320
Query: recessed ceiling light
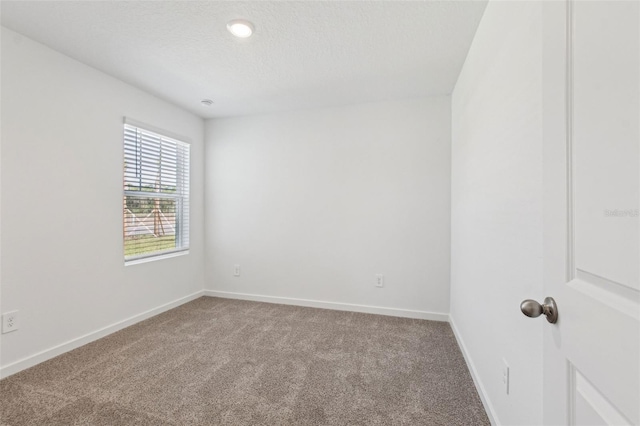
pixel 206 102
pixel 240 28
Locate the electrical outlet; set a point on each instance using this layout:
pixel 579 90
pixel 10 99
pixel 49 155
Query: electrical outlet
pixel 379 280
pixel 236 270
pixel 505 376
pixel 10 322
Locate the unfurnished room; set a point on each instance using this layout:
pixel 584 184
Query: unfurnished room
pixel 320 212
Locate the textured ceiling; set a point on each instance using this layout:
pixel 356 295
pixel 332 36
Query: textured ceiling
pixel 303 54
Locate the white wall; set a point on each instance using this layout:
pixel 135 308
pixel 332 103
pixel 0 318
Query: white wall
pixel 497 209
pixel 312 204
pixel 62 254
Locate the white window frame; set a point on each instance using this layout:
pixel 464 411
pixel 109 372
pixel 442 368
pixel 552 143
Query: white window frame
pixel 182 197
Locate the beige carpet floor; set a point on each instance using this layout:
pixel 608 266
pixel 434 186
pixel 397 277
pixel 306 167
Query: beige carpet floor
pixel 228 362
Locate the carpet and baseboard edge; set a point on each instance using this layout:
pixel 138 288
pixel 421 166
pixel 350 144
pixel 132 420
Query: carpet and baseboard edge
pixel 336 306
pixel 50 353
pixel 47 354
pixel 488 407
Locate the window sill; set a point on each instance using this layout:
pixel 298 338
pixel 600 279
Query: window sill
pixel 154 258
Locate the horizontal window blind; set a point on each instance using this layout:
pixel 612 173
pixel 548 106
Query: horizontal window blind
pixel 156 194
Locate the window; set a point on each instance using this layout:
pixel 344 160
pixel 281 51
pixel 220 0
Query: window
pixel 156 193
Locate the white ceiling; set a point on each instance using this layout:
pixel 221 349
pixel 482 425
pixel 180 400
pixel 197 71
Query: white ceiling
pixel 303 54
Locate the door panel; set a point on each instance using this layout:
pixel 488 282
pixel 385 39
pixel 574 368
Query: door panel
pixel 605 142
pixel 591 133
pixel 590 406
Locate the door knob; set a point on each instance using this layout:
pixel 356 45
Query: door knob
pixel 533 309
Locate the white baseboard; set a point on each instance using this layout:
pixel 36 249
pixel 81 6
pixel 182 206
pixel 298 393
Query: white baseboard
pixel 47 354
pixel 493 418
pixel 405 313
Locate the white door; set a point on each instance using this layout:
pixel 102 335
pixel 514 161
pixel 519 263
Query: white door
pixel 591 135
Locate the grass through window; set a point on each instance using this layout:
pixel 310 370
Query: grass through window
pixel 142 244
